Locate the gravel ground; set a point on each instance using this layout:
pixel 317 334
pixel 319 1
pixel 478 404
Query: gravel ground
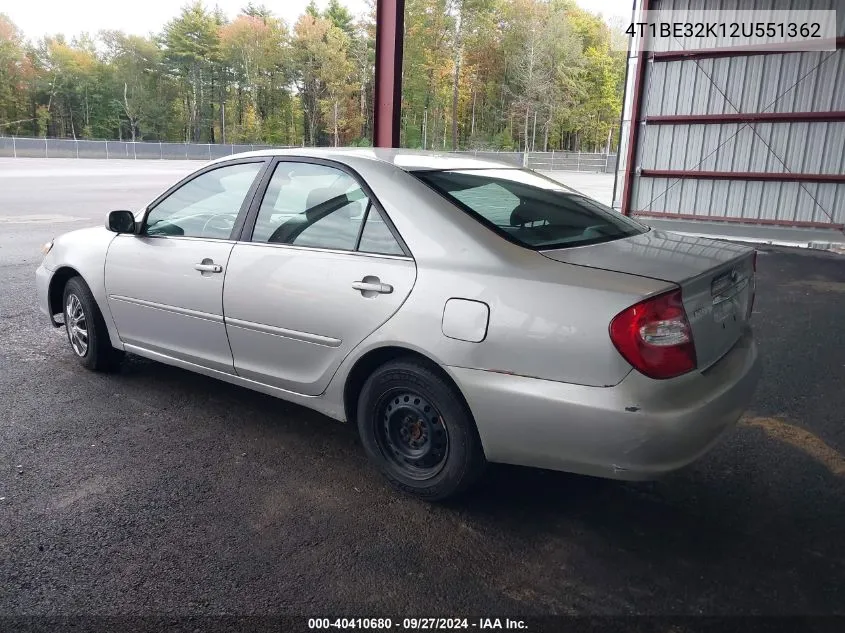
pixel 157 491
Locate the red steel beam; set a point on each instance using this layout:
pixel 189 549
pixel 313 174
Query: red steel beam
pixel 634 132
pixel 733 220
pixel 746 117
pixel 742 175
pixel 732 51
pixel 390 35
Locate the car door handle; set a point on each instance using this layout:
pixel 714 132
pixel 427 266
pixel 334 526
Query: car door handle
pixel 372 286
pixel 208 268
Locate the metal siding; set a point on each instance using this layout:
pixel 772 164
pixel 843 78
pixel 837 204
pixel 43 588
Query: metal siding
pixel 753 199
pixel 788 207
pixel 839 205
pixel 788 82
pixel 735 197
pixel 827 195
pixel 669 93
pixel 835 69
pixel 816 196
pixel 701 95
pixel 827 95
pixel 648 147
pixel 673 197
pixel 759 153
pixel 782 201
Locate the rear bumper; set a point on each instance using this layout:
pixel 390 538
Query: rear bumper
pixel 637 429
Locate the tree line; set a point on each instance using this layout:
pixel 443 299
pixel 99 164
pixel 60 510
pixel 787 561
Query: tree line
pixel 477 74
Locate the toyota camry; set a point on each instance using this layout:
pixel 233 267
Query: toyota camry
pixel 457 311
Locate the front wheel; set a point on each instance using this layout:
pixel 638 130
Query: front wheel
pixel 86 329
pixel 417 430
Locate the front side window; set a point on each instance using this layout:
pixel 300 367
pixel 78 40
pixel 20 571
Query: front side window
pixel 206 206
pixel 529 209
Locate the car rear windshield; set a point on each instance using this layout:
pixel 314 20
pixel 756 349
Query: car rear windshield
pixel 530 209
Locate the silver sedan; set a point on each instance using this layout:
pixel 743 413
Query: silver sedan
pixel 458 311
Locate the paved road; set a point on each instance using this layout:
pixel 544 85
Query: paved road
pixel 598 186
pixel 159 491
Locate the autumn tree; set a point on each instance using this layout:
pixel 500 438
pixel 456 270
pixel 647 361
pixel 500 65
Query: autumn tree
pixel 324 77
pixel 426 73
pixel 477 74
pixel 70 80
pixel 190 44
pixel 142 93
pixel 340 16
pixel 16 73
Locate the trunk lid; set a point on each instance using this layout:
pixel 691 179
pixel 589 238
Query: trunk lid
pixel 716 279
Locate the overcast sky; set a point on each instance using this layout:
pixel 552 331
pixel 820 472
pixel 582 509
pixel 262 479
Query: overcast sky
pixel 37 18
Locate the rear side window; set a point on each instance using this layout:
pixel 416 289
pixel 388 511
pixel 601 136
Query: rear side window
pixel 318 206
pixel 311 205
pixel 529 209
pixel 377 237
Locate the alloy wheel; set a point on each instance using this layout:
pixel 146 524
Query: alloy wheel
pixel 77 325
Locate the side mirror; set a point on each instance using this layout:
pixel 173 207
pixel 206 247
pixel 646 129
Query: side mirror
pixel 121 222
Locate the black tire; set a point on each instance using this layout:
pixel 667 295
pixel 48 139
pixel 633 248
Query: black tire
pixel 93 350
pixel 406 389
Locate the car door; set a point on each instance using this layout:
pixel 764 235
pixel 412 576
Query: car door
pixel 322 269
pixel 165 283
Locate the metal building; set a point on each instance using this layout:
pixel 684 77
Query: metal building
pixel 737 136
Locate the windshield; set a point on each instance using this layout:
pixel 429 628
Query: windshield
pixel 530 209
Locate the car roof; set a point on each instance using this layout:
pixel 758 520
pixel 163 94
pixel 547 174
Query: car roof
pixel 405 159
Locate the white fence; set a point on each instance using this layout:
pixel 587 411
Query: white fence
pixel 552 161
pixel 18 147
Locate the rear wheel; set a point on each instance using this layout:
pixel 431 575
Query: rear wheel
pixel 86 329
pixel 417 430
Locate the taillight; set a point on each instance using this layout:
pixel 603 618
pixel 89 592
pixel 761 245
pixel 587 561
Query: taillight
pixel 655 336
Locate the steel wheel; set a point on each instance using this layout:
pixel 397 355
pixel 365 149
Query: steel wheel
pixel 411 434
pixel 418 431
pixel 77 325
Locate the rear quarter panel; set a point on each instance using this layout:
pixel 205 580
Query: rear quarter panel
pixel 548 319
pixel 550 322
